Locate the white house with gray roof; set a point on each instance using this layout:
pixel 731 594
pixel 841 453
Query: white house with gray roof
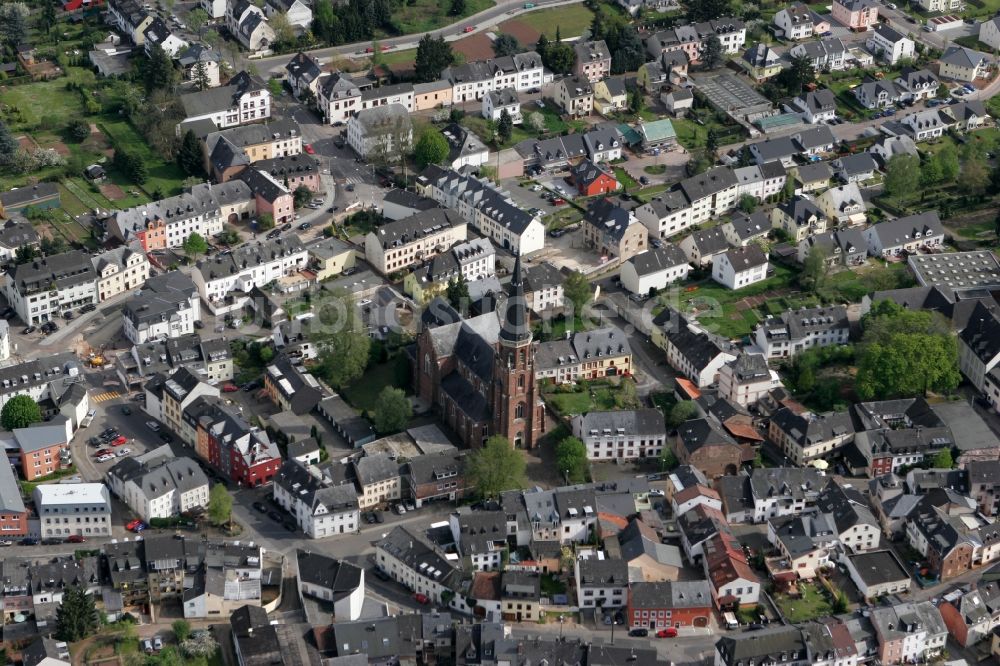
pixel 797 330
pixel 740 267
pixel 963 64
pixel 496 102
pixel 472 80
pixel 621 435
pixel 159 485
pixel 43 289
pixel 333 581
pixel 654 269
pixel 167 306
pixel 245 99
pixel 321 508
pixel 250 265
pixel 411 560
pixel 906 234
pixel 384 130
pixel 82 509
pixel 825 55
pixel 601 581
pixel 888 45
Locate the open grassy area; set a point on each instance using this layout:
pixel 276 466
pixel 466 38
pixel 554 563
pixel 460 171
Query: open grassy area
pixel 586 399
pixel 164 176
pixel 478 125
pixel 419 16
pixel 405 57
pixel 363 394
pixel 563 217
pixel 623 177
pixel 693 135
pixel 812 604
pixel 555 123
pixel 571 20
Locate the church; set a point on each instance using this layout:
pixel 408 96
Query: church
pixel 480 372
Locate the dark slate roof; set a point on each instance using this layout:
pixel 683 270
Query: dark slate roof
pixel 746 257
pixel 608 217
pixel 63 270
pixel 26 195
pixel 658 259
pixel 514 328
pixel 338 576
pixel 640 422
pixel 407 229
pixel 17 232
pixel 303 66
pixel 221 98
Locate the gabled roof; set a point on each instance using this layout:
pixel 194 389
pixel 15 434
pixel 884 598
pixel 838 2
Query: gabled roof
pixel 655 260
pixel 959 56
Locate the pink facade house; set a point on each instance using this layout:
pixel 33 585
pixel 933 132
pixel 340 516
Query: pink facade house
pixel 293 170
pixel 858 15
pixel 270 196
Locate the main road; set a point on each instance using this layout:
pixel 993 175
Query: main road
pixel 480 22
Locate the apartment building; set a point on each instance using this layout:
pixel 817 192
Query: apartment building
pixel 472 80
pixel 250 265
pixel 167 306
pixel 245 99
pixel 159 485
pixel 321 509
pixel 82 509
pixel 118 270
pixel 622 435
pixel 398 245
pixel 797 330
pixel 43 289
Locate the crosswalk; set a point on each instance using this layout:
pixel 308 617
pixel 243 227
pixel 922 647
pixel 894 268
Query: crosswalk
pixel 107 395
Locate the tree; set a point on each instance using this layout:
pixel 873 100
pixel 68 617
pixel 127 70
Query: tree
pixel 13 23
pixel 79 130
pixel 712 54
pixel 342 342
pixel 902 176
pixel 930 174
pixel 711 142
pixel 457 293
pixel 797 76
pixel 8 146
pixel 130 165
pixel 26 253
pixel 975 177
pixel 536 121
pixel 559 57
pixel 457 8
pixel 284 34
pixel 274 87
pixel 301 196
pixel 505 127
pixel 707 10
pixel 636 101
pixel 495 468
pixel 159 72
pixel 431 147
pixel 571 456
pixel 195 245
pixel 265 222
pixel 943 459
pixel 505 45
pixel 76 617
pixel 201 79
pixel 814 269
pixel 685 410
pixel 542 45
pixel 626 397
pixel 198 18
pixel 748 203
pixel 201 644
pixel 20 412
pixel 189 155
pixel 433 55
pixel 668 459
pixel 47 17
pixel 182 629
pixel 947 159
pixel 840 602
pixel 392 411
pixel 578 290
pixel 220 504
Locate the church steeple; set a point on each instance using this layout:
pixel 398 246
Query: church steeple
pixel 514 327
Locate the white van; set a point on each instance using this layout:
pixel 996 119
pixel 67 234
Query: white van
pixel 729 619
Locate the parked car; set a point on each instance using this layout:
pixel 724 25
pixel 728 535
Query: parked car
pixel 6 542
pixel 274 515
pixel 89 307
pixel 166 437
pixel 421 598
pixel 68 315
pixel 29 330
pixel 309 149
pixel 75 538
pixel 153 425
pixel 157 643
pixel 230 388
pixel 123 452
pixel 259 506
pixel 639 632
pixel 126 410
pixel 400 509
pixel 147 646
pixel 469 28
pixel 119 440
pixel 669 632
pixel 105 458
pixel 304 226
pixel 29 541
pixel 132 524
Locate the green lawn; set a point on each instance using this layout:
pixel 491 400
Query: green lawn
pixel 478 125
pixel 588 399
pixel 571 20
pixel 623 177
pixel 164 176
pixel 555 123
pixel 811 605
pixel 647 193
pixel 422 16
pixel 693 135
pixel 363 394
pixel 563 217
pixel 404 57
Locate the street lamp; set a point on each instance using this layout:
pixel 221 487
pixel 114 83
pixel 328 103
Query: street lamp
pixel 562 618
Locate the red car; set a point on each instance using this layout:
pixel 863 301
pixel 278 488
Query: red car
pixel 558 201
pixel 469 28
pixel 118 441
pixel 104 452
pixel 421 598
pixel 369 50
pixel 309 149
pixel 669 632
pixel 75 538
pixel 230 388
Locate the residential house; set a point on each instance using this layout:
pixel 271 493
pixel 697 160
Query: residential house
pixel 692 201
pixel 984 486
pixel 747 379
pixel 845 247
pixel 158 485
pixel 855 168
pixel 979 346
pixel 543 287
pixel 924 125
pixel 856 528
pixel 412 561
pixel 740 267
pixel 761 181
pixel 82 509
pixel 811 177
pixel 575 96
pixel 808 436
pixel 481 536
pixel 41 290
pixel 434 478
pixel 224 280
pixel 816 106
pixel 245 99
pixel 130 18
pixel 601 582
pixel 654 269
pixel 320 508
pixel 879 94
pixel 905 235
pixel 593 180
pixel 908 632
pixel 918 83
pixel 291 387
pixel 166 306
pixel 520 595
pixel 613 231
pixel 333 581
pixel 403 243
pixel 963 64
pixel 158 35
pixel 378 480
pixel 486 207
pixel 622 435
pixel 761 62
pixel 603 352
pixel 118 270
pixel 656 606
pixel 678 101
pixel 16 232
pixel 857 15
pixel 694 353
pixel 465 149
pixel 804 545
pixel 974 615
pixel 303 74
pixel 888 45
pixel 744 229
pixel 253 31
pixel 593 60
pixel 201 65
pixel 168 395
pixel 380 131
pixel 887 147
pixel 799 217
pixel 965 116
pixel 796 21
pixel 13 514
pixel 826 55
pixel 472 80
pixel 736 648
pixel 298 12
pixel 495 102
pixel 783 491
pixel 733 584
pixel 610 95
pixel 226 441
pixel 701 247
pixel 432 95
pixel 337 95
pixel 843 205
pixel 659 134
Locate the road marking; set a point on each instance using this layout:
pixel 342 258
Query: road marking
pixel 104 397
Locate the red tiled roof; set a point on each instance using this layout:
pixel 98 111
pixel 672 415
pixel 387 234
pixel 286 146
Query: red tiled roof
pixel 688 388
